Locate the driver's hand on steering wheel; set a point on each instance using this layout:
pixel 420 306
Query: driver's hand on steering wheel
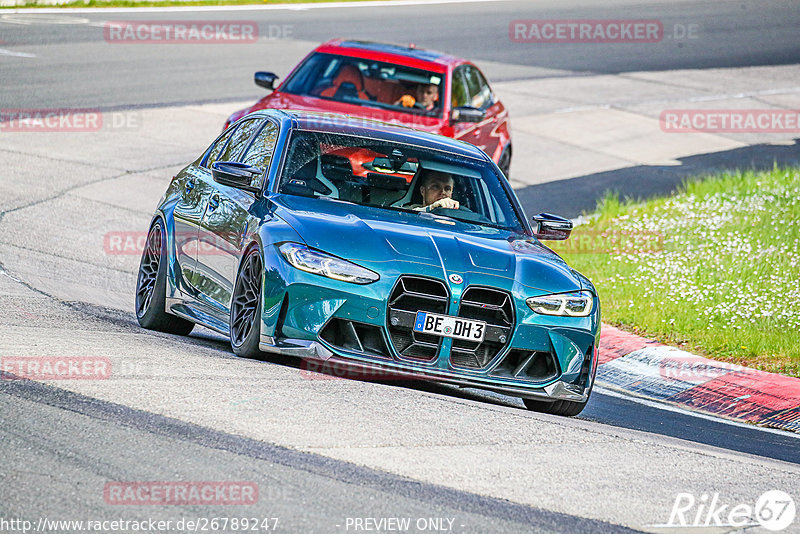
pixel 448 203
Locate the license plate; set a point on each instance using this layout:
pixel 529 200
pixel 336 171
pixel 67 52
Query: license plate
pixel 449 326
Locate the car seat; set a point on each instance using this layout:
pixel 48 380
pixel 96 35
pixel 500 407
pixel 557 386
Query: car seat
pixel 348 83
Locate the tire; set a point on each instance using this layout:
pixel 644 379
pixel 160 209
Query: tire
pixel 562 407
pixel 505 162
pixel 245 320
pixel 151 287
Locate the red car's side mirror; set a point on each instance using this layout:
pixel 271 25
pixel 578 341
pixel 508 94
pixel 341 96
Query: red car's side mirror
pixel 265 79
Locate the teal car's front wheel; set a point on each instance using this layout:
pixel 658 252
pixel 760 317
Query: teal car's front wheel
pixel 561 407
pixel 245 318
pixel 151 286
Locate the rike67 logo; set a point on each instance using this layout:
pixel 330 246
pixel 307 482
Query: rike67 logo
pixel 774 510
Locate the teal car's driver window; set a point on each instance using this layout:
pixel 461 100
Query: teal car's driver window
pixel 241 134
pixel 260 152
pixel 215 151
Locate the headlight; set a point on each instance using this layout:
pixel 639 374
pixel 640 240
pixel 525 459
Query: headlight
pixel 577 304
pixel 312 261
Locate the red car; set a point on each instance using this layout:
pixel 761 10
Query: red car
pixel 419 88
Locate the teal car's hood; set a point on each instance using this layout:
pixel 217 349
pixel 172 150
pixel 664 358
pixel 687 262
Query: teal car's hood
pixel 379 238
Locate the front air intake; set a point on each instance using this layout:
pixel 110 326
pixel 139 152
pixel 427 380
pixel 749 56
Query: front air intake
pixel 527 365
pixel 496 309
pixel 353 336
pixel 410 295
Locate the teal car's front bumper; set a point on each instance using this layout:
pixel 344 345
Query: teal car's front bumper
pixel 367 326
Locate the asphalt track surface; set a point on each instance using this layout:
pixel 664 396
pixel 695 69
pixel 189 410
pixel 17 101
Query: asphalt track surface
pixel 60 447
pixel 78 68
pixel 305 492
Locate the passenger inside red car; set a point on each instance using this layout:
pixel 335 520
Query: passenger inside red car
pixel 427 97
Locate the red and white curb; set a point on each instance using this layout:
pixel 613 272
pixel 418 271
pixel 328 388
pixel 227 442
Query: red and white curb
pixel 648 369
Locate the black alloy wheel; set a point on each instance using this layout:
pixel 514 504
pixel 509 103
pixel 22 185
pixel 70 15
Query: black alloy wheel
pixel 151 287
pixel 245 320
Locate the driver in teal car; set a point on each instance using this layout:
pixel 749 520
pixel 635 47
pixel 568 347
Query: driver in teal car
pixel 437 191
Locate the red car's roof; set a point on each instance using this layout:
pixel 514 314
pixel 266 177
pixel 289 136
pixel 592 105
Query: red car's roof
pixel 397 54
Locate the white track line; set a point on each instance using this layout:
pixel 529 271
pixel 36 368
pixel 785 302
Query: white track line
pixel 27 18
pixel 673 408
pixel 273 7
pixel 4 52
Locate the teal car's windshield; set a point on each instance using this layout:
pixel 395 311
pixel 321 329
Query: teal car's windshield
pixel 377 173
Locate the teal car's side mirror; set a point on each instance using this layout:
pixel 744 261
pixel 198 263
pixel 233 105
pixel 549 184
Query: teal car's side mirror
pixel 553 227
pixel 235 174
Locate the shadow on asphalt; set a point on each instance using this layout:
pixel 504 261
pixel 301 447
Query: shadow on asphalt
pixel 572 196
pixel 602 408
pixel 627 413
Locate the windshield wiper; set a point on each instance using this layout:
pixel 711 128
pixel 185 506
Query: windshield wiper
pixel 394 208
pixel 478 223
pixel 341 200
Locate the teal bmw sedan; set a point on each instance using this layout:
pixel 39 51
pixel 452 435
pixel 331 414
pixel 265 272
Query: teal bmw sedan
pixel 373 246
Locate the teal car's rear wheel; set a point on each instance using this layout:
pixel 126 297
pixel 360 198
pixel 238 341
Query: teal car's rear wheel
pixel 151 287
pixel 245 323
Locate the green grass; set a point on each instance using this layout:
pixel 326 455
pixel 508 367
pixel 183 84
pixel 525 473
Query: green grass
pixel 714 269
pixel 164 3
